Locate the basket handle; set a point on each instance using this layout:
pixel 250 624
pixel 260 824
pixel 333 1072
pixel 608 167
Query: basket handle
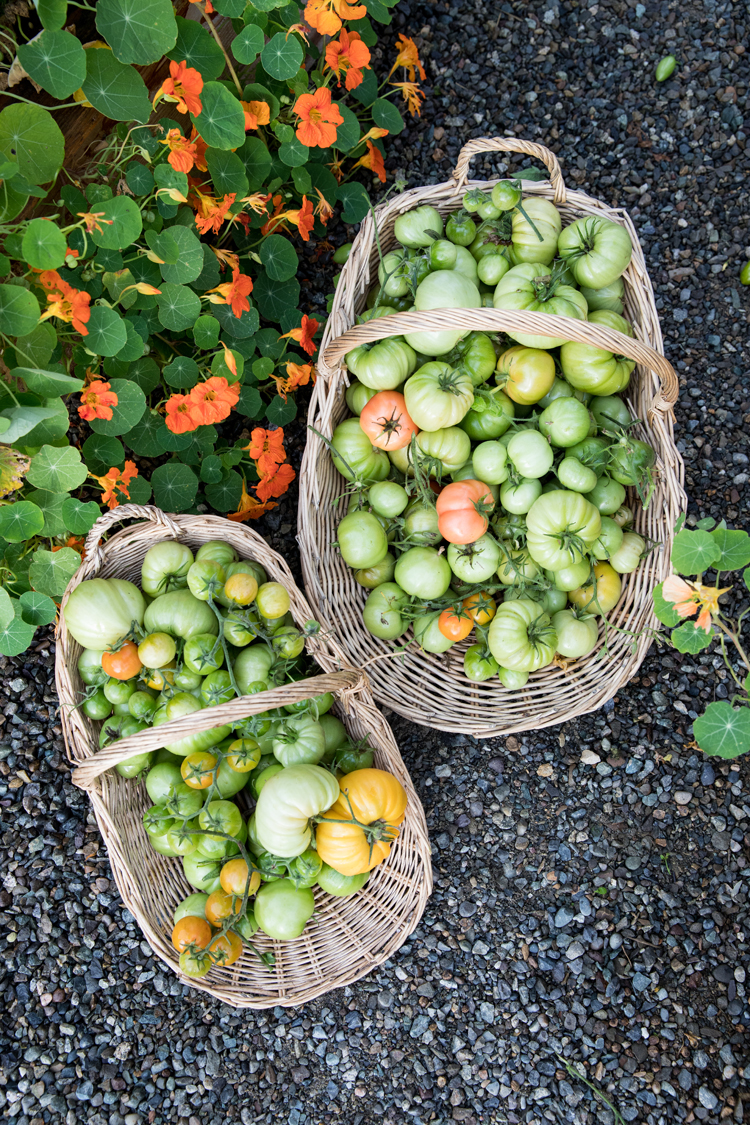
pixel 510 144
pixel 92 547
pixel 343 684
pixel 502 320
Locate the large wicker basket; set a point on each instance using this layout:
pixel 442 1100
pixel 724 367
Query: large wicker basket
pixel 347 936
pixel 432 689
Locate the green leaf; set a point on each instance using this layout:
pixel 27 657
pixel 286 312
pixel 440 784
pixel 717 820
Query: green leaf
pixel 107 333
pixel 52 13
pixel 190 264
pixel 19 309
pixel 324 181
pixel 198 48
pixel 387 116
pixel 20 521
pixel 664 610
pixel 301 180
pixel 182 373
pixel 120 222
pixel 7 611
pixel 231 8
pixel 734 547
pixel 179 307
pixel 257 161
pixel 723 731
pixel 274 298
pixel 279 257
pixel 47 383
pixel 131 406
pixel 17 635
pixel 140 179
pixel 57 469
pixel 147 439
pixel 140 491
pixel 37 609
pixel 294 154
pixel 367 91
pixel 355 202
pixel 144 373
pixel 222 120
pixel 250 404
pixel 138 31
pixel 248 44
pixel 746 577
pixel 36 348
pixel 56 61
pixel 227 172
pixel 378 10
pixel 689 638
pixel 240 327
pixel 280 412
pixel 115 89
pixel 225 496
pixel 282 57
pixel 211 470
pixel 24 419
pixel 79 517
pixel 348 134
pixel 267 5
pixel 263 367
pixel 50 572
pixel 206 332
pixel 694 551
pixel 30 136
pixel 705 524
pixel 132 349
pixel 43 245
pixel 103 453
pixel 51 506
pixel 175 486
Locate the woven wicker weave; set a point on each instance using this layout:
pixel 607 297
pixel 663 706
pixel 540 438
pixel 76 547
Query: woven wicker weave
pixel 348 936
pixel 432 689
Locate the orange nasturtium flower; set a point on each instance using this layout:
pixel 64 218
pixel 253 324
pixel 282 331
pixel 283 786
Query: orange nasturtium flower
pixel 323 208
pixel 97 401
pixel 185 154
pixel 257 201
pixel 210 212
pixel 276 483
pixel 408 58
pixel 249 508
pixel 179 419
pixel 226 258
pixel 214 400
pixel 326 15
pixel 689 597
pixel 374 134
pixel 183 87
pixel 319 118
pixel 297 375
pixel 347 56
pixel 93 221
pixel 304 334
pixel 256 113
pixel 412 95
pixel 266 448
pixel 116 481
pixel 233 293
pixel 373 159
pixel 65 302
pixel 303 218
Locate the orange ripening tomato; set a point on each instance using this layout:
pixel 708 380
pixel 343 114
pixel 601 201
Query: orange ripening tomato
pixel 226 949
pixel 525 374
pixel 454 626
pixel 462 508
pixel 363 822
pixel 197 769
pixel 190 931
pixel 218 907
pixel 123 664
pixel 480 607
pixel 233 878
pixel 385 421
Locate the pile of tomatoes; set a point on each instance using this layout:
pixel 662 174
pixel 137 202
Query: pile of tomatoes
pixel 489 473
pixel 260 810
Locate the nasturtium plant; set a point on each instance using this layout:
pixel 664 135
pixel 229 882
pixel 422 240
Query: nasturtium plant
pixel 152 319
pixel 691 607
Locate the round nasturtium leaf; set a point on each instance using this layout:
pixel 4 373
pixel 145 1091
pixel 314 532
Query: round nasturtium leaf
pixel 221 122
pixel 182 373
pixel 131 406
pixel 57 468
pixel 19 309
pixel 107 333
pixel 198 48
pixel 37 609
pixel 43 245
pixel 118 222
pixel 386 115
pixel 248 44
pixel 206 332
pixel 175 486
pixel 279 257
pixel 56 61
pixel 30 136
pixel 20 521
pixel 190 262
pixel 138 31
pixel 103 453
pixel 282 57
pixel 51 571
pixel 114 89
pixel 179 307
pixel 16 636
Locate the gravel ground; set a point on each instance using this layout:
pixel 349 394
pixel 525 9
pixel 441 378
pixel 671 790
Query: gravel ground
pixel 590 917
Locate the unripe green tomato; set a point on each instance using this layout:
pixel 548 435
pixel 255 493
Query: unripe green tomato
pixel 157 650
pixel 745 274
pixel 492 268
pixel 141 706
pixel 665 68
pixel 342 254
pixel 97 706
pixel 388 498
pixel 373 576
pixel 119 691
pixel 505 196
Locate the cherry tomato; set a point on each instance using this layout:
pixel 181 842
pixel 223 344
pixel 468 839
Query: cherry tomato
pixel 225 950
pixel 195 965
pixel 123 664
pixel 272 600
pixel 241 589
pixel 234 878
pixel 191 931
pixel 219 907
pixel 198 769
pixel 157 650
pixel 454 626
pixel 243 754
pixel 480 607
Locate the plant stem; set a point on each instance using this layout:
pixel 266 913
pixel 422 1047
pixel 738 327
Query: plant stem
pixel 734 638
pixel 202 8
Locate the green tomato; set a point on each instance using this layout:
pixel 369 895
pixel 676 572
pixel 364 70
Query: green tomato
pixel 592 369
pixel 451 446
pixel 373 576
pixel 575 476
pixel 518 498
pixel 203 654
pixel 194 906
pixel 240 627
pixel 304 870
pixel 442 255
pixel 165 568
pixel 521 636
pixel 628 555
pixel 560 528
pixel 334 883
pixel 592 452
pixel 288 642
pixel 423 573
pixel 419 227
pixel 119 691
pixel 355 456
pixel 745 274
pixel 445 289
pixel 421 525
pixel 527 245
pixel 362 540
pixel 90 667
pixel 100 612
pixel 530 453
pixel 350 759
pixel 516 567
pixel 298 741
pixel 607 495
pixel 217 551
pixel 157 650
pixel 180 614
pixel 281 909
pixel 162 845
pixel 358 395
pixel 559 389
pixel 492 268
pixel 382 366
pixel 569 578
pixel 665 68
pixel 382 611
pixel 183 838
pixel 120 709
pixel 529 288
pixel 607 297
pixel 253 665
pixel 242 566
pixel 259 779
pixel 609 541
pixel 180 705
pixel 138 764
pixel 387 498
pixel 142 706
pixel 202 873
pixel 221 816
pixel 205 579
pixel 286 805
pixel 427 633
pixel 475 355
pixel 512 679
pixel 489 462
pixel 489 419
pixel 334 733
pixel 465 264
pixel 505 195
pixel 184 802
pixel 630 464
pixel 437 396
pixel 596 250
pixel 217 688
pixel 162 782
pixel 461 229
pixel 610 412
pixel 478 664
pixel 474 562
pixel 116 727
pixel 97 706
pixel 566 422
pixel 486 209
pixel 576 635
pixel 393 276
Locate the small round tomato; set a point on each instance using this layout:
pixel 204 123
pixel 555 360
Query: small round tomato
pixel 122 664
pixel 234 879
pixel 157 650
pixel 525 374
pixel 197 770
pixel 272 600
pixel 225 949
pixel 205 579
pixel 607 495
pixel 219 906
pixel 386 422
pixel 195 965
pixel 455 626
pixel 97 706
pixel 423 573
pixel 745 274
pixel 388 498
pixel 600 596
pixel 372 576
pixel 241 589
pixel 479 665
pixel 243 754
pixel 217 688
pixel 381 613
pixel 288 642
pixel 191 932
pixel 505 195
pixel 118 691
pixel 531 453
pixel 480 607
pixel 566 422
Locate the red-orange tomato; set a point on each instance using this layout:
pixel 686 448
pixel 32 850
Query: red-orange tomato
pixel 226 949
pixel 461 508
pixel 123 664
pixel 190 931
pixel 454 626
pixel 385 421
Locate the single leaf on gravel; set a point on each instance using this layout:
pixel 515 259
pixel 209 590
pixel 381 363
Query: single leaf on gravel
pixel 723 731
pixel 694 551
pixel 7 612
pixel 689 638
pixel 734 547
pixel 17 635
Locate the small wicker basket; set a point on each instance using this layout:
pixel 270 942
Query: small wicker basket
pixel 433 690
pixel 347 936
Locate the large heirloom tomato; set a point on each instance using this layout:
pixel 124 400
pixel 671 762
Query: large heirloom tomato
pixel 354 455
pixel 445 289
pixel 521 636
pixel 419 227
pixel 356 833
pixel 561 526
pixel 287 804
pixel 386 422
pixel 596 249
pixel 525 374
pixel 101 612
pixel 382 366
pixel 527 244
pixel 531 287
pixel 437 396
pixel 462 508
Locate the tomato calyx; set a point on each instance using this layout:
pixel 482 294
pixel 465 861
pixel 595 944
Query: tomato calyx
pixel 545 285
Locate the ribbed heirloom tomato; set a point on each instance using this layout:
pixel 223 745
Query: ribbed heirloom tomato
pixel 462 508
pixel 356 833
pixel 386 422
